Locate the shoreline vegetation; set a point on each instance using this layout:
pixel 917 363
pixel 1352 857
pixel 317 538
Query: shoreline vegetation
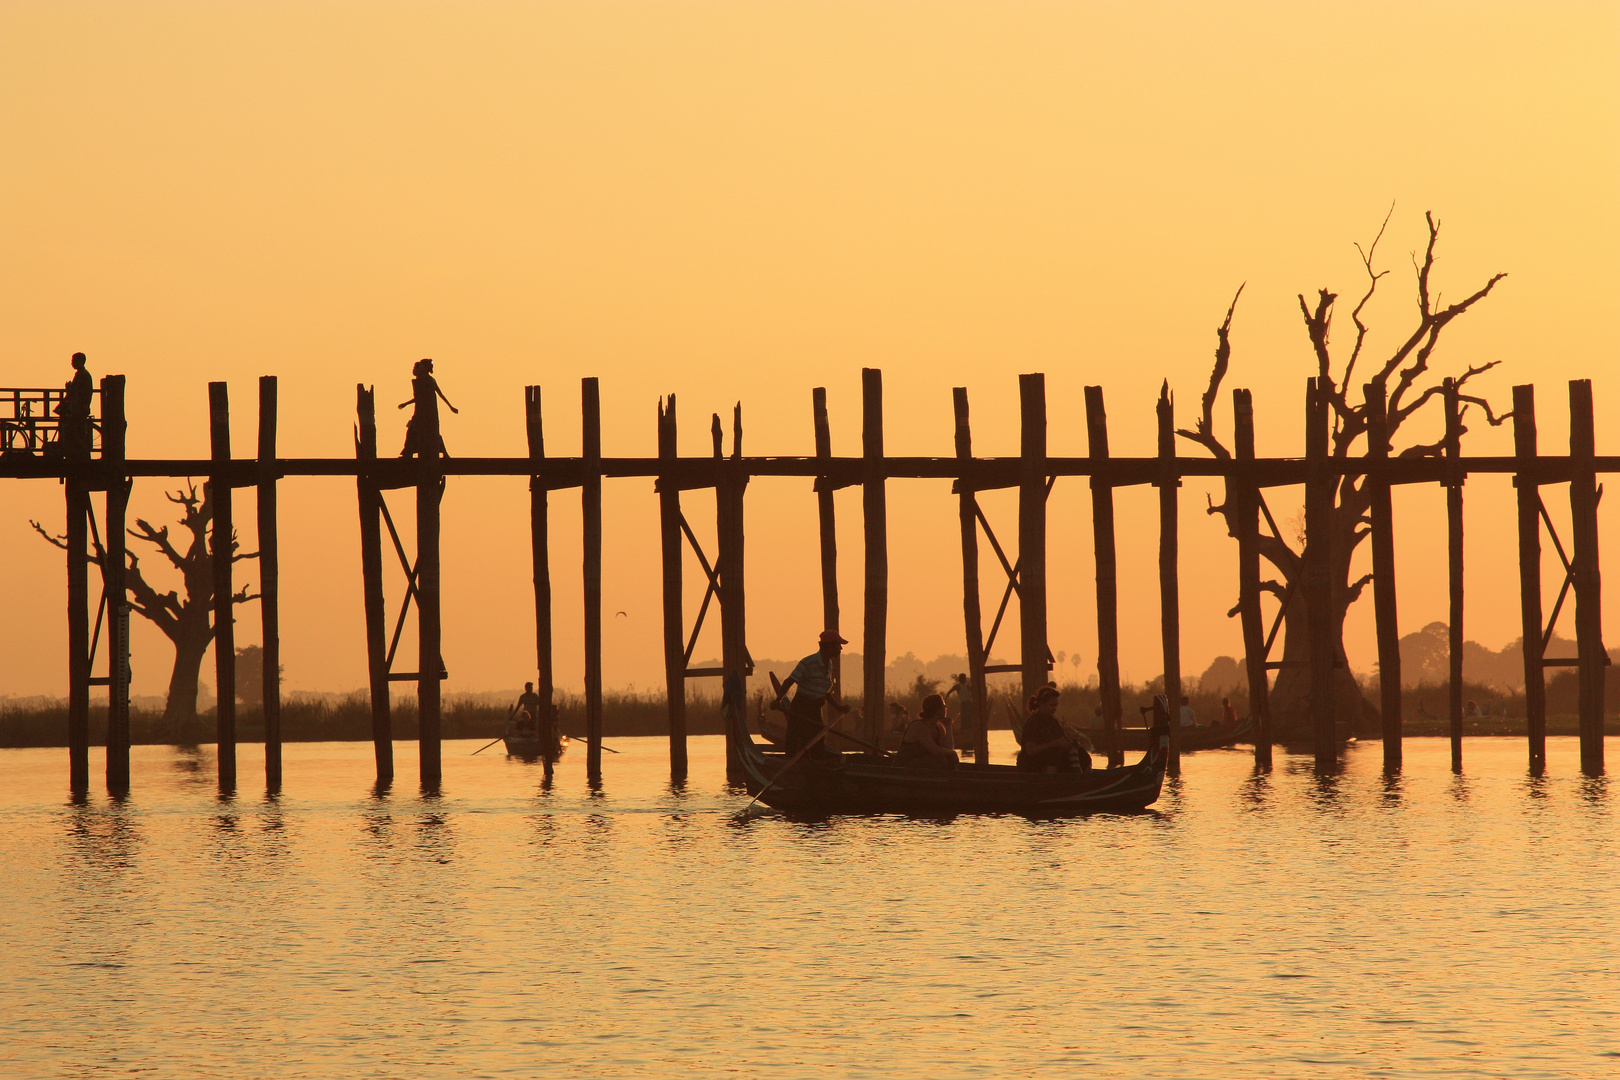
pixel 342 718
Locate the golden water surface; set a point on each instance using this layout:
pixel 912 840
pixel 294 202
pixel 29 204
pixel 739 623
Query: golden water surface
pixel 1250 926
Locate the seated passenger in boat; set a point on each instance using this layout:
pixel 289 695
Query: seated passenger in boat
pixel 1047 747
pixel 523 725
pixel 926 743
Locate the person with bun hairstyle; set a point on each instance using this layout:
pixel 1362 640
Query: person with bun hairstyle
pixel 926 743
pixel 1046 746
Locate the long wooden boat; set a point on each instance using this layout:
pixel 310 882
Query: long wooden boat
pixel 855 784
pixel 533 747
pixel 1199 738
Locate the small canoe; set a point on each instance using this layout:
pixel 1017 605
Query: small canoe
pixel 856 784
pixel 1192 739
pixel 533 748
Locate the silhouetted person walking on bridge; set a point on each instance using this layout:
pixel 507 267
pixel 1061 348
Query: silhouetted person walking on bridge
pixel 425 395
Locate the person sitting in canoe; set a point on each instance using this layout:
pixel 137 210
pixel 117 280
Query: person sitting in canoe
pixel 926 743
pixel 812 678
pixel 523 725
pixel 1046 746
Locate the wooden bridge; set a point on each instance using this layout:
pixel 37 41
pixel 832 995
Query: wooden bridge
pixel 33 448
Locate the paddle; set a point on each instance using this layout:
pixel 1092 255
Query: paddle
pixel 486 746
pixel 790 763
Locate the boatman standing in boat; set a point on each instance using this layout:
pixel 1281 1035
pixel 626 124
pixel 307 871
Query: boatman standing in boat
pixel 812 679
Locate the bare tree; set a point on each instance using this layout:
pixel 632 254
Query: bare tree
pixel 1411 385
pixel 188 622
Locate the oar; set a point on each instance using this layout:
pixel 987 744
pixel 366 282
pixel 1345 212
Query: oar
pixel 790 763
pixel 486 746
pixel 609 749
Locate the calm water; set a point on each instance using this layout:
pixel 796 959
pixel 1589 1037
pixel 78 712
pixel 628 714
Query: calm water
pixel 1278 926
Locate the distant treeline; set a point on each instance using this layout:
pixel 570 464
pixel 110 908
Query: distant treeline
pixel 348 718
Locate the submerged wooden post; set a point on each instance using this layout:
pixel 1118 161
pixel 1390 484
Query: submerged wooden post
pixel 874 506
pixel 669 528
pixel 1032 531
pixel 1319 486
pixel 1583 496
pixel 270 582
pixel 1102 540
pixel 540 555
pixel 1247 496
pixel 591 516
pixel 113 584
pixel 972 617
pixel 76 487
pixel 219 431
pixel 729 567
pixel 1382 526
pixel 365 450
pixel 829 535
pixel 1527 481
pixel 1169 584
pixel 430 655
pixel 1454 562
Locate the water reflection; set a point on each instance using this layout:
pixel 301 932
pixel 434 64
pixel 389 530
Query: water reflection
pixel 1392 790
pixel 1255 793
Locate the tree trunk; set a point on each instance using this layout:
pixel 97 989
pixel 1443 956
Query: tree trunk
pixel 1290 693
pixel 180 709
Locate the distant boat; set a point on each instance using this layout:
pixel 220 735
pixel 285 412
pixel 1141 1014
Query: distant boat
pixel 534 748
pixel 1194 738
pixel 854 784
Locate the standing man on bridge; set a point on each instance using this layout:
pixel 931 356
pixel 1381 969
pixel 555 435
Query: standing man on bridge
pixel 813 678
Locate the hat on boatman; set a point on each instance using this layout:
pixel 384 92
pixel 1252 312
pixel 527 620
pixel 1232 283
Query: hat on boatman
pixel 832 636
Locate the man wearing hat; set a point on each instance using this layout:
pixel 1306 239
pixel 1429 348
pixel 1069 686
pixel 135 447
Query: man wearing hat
pixel 813 678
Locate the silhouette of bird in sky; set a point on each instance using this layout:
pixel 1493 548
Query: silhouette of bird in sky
pixel 624 613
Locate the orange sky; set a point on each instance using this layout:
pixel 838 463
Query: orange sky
pixel 739 201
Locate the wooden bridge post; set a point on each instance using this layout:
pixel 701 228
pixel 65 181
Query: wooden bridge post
pixel 825 515
pixel 540 554
pixel 429 625
pixel 972 617
pixel 270 578
pixel 1527 481
pixel 76 485
pixel 1583 497
pixel 729 568
pixel 219 431
pixel 1454 561
pixel 1246 491
pixel 113 451
pixel 365 450
pixel 1319 488
pixel 1102 540
pixel 591 514
pixel 1032 532
pixel 669 527
pixel 1382 526
pixel 874 505
pixel 1169 584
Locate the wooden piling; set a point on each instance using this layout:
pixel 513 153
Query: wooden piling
pixel 429 625
pixel 1169 585
pixel 1583 497
pixel 669 527
pixel 874 506
pixel 1246 494
pixel 1102 541
pixel 729 566
pixel 270 582
pixel 1454 564
pixel 1527 482
pixel 219 432
pixel 113 453
pixel 1381 524
pixel 972 617
pixel 540 555
pixel 1032 532
pixel 78 620
pixel 365 450
pixel 591 515
pixel 1319 487
pixel 825 511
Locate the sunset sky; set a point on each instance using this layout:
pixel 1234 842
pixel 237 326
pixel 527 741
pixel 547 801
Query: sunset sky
pixel 741 201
